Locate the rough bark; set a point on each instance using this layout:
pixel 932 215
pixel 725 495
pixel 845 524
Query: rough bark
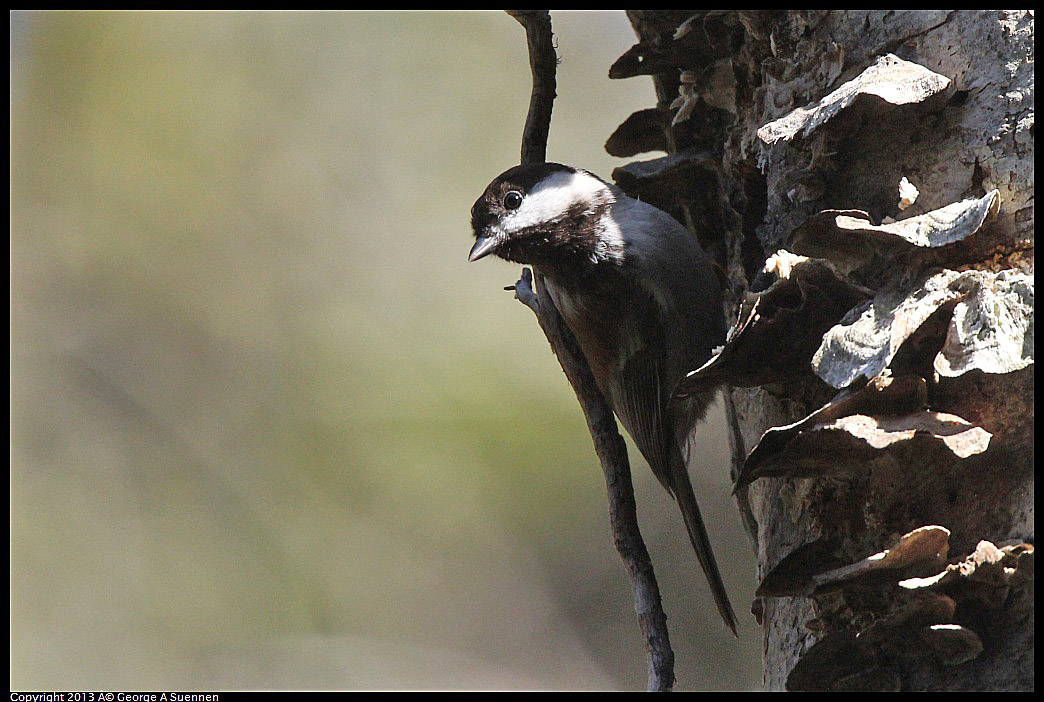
pixel 883 448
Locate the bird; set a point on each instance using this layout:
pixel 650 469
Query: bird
pixel 639 294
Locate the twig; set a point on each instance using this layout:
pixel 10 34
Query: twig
pixel 609 445
pixel 543 63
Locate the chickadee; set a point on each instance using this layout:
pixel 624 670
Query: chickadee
pixel 639 295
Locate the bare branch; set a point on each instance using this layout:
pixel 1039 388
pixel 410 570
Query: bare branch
pixel 543 62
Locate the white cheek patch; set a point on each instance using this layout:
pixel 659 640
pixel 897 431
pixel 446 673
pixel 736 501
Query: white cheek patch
pixel 611 240
pixel 551 199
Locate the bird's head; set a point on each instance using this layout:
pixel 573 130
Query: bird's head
pixel 545 213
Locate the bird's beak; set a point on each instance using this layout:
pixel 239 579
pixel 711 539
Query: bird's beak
pixel 483 247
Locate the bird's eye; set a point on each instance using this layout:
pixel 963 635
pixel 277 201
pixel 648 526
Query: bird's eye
pixel 513 200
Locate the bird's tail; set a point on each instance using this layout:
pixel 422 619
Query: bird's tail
pixel 682 489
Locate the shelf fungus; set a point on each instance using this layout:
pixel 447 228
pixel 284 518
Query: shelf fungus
pixel 992 325
pixel 849 238
pixel 987 322
pixel 882 396
pixel 807 297
pixel 878 611
pixel 928 544
pixel 643 59
pixel 849 444
pixel 665 55
pixel 667 181
pixel 793 576
pixel 823 570
pixel 645 130
pixel 890 80
pixel 985 576
pixel 699 40
pixel 821 565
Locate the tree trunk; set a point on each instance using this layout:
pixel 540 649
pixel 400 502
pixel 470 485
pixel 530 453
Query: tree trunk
pixel 880 373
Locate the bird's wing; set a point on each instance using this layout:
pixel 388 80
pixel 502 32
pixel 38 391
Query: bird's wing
pixel 639 398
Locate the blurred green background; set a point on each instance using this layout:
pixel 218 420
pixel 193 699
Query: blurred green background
pixel 269 429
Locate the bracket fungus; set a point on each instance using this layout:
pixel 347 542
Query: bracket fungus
pixel 872 618
pixel 670 180
pixel 808 297
pixel 645 130
pixel 889 80
pixel 849 238
pixel 990 327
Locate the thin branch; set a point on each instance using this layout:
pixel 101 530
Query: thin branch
pixel 543 62
pixel 609 445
